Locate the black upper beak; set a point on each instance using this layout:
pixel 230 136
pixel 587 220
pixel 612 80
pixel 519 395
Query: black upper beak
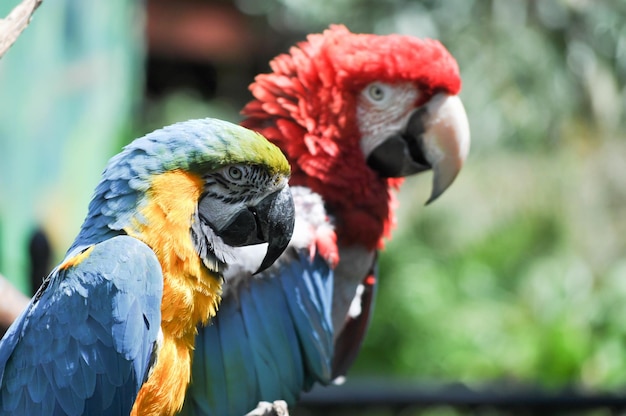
pixel 270 221
pixel 276 216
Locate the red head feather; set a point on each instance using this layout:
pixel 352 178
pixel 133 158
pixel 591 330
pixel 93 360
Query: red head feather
pixel 307 106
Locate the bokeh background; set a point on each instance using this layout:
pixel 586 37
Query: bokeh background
pixel 516 276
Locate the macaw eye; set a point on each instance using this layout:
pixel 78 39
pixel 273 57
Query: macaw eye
pixel 235 173
pixel 376 92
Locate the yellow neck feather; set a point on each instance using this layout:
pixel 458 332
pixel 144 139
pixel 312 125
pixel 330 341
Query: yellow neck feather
pixel 191 292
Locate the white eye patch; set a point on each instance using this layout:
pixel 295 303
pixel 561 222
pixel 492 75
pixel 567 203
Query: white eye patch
pixel 383 110
pixel 377 93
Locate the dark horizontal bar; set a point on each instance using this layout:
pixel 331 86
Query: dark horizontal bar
pixel 394 394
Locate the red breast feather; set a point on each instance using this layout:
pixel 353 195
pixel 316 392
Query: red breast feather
pixel 307 106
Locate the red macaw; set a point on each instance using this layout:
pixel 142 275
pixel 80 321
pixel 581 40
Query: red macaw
pixel 354 114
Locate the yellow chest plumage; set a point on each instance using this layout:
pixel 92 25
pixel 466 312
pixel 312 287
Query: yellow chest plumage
pixel 191 292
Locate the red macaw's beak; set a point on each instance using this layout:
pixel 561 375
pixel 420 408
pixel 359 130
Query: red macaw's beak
pixel 436 137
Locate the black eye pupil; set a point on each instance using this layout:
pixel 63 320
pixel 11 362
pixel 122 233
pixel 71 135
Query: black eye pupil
pixel 376 92
pixel 234 173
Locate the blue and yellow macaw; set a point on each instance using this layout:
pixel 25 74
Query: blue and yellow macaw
pixel 354 114
pixel 112 329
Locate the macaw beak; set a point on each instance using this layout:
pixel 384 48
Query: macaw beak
pixel 436 137
pixel 270 221
pixel 276 216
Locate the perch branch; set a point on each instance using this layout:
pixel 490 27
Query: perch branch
pixel 14 24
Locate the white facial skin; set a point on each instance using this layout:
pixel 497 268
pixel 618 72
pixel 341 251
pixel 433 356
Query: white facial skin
pixel 383 110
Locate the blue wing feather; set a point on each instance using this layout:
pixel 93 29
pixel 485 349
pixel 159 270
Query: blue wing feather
pixel 265 363
pixel 83 345
pixel 236 372
pixel 310 301
pixel 207 360
pixel 279 335
pixel 275 339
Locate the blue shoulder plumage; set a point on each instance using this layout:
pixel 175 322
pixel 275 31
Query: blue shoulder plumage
pixel 85 343
pixel 270 341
